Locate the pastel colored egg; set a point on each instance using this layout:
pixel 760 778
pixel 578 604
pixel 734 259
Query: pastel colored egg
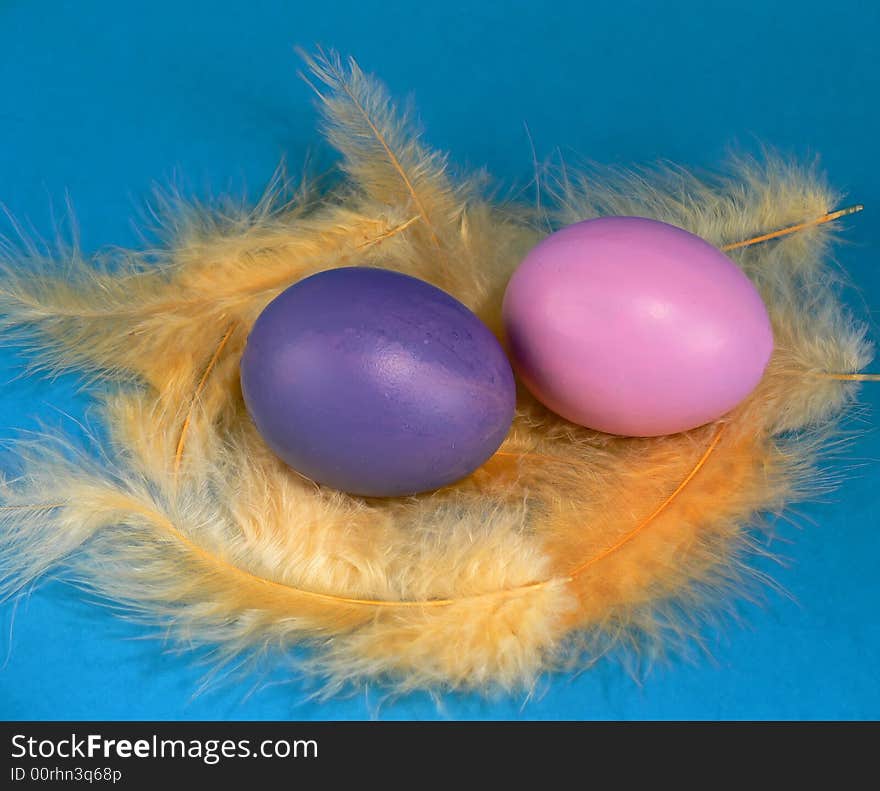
pixel 376 383
pixel 632 326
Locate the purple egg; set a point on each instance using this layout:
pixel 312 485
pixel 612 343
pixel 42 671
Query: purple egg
pixel 376 383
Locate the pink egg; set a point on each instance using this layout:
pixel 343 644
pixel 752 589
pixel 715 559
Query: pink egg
pixel 635 327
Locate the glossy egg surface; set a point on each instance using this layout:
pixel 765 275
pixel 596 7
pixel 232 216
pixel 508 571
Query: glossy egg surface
pixel 632 326
pixel 376 383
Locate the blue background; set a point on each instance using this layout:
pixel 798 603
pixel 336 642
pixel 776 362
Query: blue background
pixel 100 100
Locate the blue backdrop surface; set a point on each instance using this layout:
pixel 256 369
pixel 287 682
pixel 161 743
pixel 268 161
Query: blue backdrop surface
pixel 103 99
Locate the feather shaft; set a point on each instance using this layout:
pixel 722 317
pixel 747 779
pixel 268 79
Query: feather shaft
pixel 858 377
pixel 390 232
pixel 829 217
pixel 184 429
pixel 624 540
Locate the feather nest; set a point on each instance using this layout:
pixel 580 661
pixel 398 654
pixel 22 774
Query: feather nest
pixel 566 545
